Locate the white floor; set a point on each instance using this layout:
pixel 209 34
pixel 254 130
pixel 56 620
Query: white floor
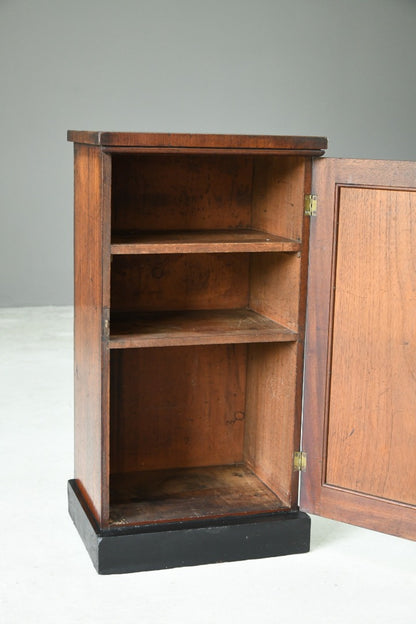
pixel 350 575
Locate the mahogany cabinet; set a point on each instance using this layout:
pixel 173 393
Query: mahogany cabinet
pixel 197 259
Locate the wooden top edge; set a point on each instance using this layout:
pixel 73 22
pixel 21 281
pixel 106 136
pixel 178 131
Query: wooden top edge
pixel 213 141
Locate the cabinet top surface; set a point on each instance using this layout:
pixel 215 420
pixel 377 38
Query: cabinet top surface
pixel 203 141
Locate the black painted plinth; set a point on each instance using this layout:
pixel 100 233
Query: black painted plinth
pixel 170 545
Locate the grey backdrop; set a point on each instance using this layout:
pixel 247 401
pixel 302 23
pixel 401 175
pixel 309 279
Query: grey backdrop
pixel 340 68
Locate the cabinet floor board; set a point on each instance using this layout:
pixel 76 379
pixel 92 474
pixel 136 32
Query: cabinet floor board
pixel 188 493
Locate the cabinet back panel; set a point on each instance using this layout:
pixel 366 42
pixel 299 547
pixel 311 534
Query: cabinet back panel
pixel 181 192
pixel 179 282
pixel 177 407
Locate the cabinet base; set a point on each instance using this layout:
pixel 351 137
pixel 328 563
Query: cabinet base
pixel 175 544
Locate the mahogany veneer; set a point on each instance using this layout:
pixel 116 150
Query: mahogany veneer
pixel 191 261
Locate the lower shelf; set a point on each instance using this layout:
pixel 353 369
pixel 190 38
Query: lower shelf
pixel 159 546
pixel 187 494
pixel 193 327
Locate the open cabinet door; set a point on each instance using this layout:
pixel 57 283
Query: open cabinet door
pixel 360 378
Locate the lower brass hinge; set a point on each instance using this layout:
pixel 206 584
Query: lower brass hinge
pixel 299 461
pixel 311 205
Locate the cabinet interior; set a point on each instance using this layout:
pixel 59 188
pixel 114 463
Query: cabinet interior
pixel 205 320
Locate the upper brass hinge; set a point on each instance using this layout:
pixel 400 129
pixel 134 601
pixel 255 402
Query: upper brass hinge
pixel 311 205
pixel 299 461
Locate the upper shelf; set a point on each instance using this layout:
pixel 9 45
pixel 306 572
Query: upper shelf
pixel 198 141
pixel 202 241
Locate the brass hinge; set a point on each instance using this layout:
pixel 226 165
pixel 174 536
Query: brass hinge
pixel 311 205
pixel 299 461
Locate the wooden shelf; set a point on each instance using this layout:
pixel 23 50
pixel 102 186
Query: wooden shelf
pixel 188 494
pixel 201 241
pixel 195 327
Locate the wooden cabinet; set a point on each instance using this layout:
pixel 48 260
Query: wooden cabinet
pixel 191 263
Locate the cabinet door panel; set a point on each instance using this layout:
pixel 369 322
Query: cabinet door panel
pixel 360 378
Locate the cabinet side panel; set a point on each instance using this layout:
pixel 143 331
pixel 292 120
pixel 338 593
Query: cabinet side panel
pixel 275 287
pixel 278 208
pixel 278 290
pixel 88 299
pixel 278 195
pixel 270 422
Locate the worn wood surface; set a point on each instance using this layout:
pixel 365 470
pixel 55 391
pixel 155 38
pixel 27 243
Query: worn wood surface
pixel 211 141
pixel 133 548
pixel 154 329
pixel 200 241
pixel 177 407
pixel 91 359
pixel 181 192
pixel 179 282
pixel 359 430
pixel 188 494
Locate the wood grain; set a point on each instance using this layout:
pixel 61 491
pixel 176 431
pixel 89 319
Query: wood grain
pixel 179 282
pixel 371 429
pixel 91 359
pixel 275 287
pixel 181 192
pixel 177 407
pixel 226 141
pixel 271 415
pixel 189 494
pixel 278 195
pixel 358 423
pixel 278 199
pixel 161 329
pixel 200 241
